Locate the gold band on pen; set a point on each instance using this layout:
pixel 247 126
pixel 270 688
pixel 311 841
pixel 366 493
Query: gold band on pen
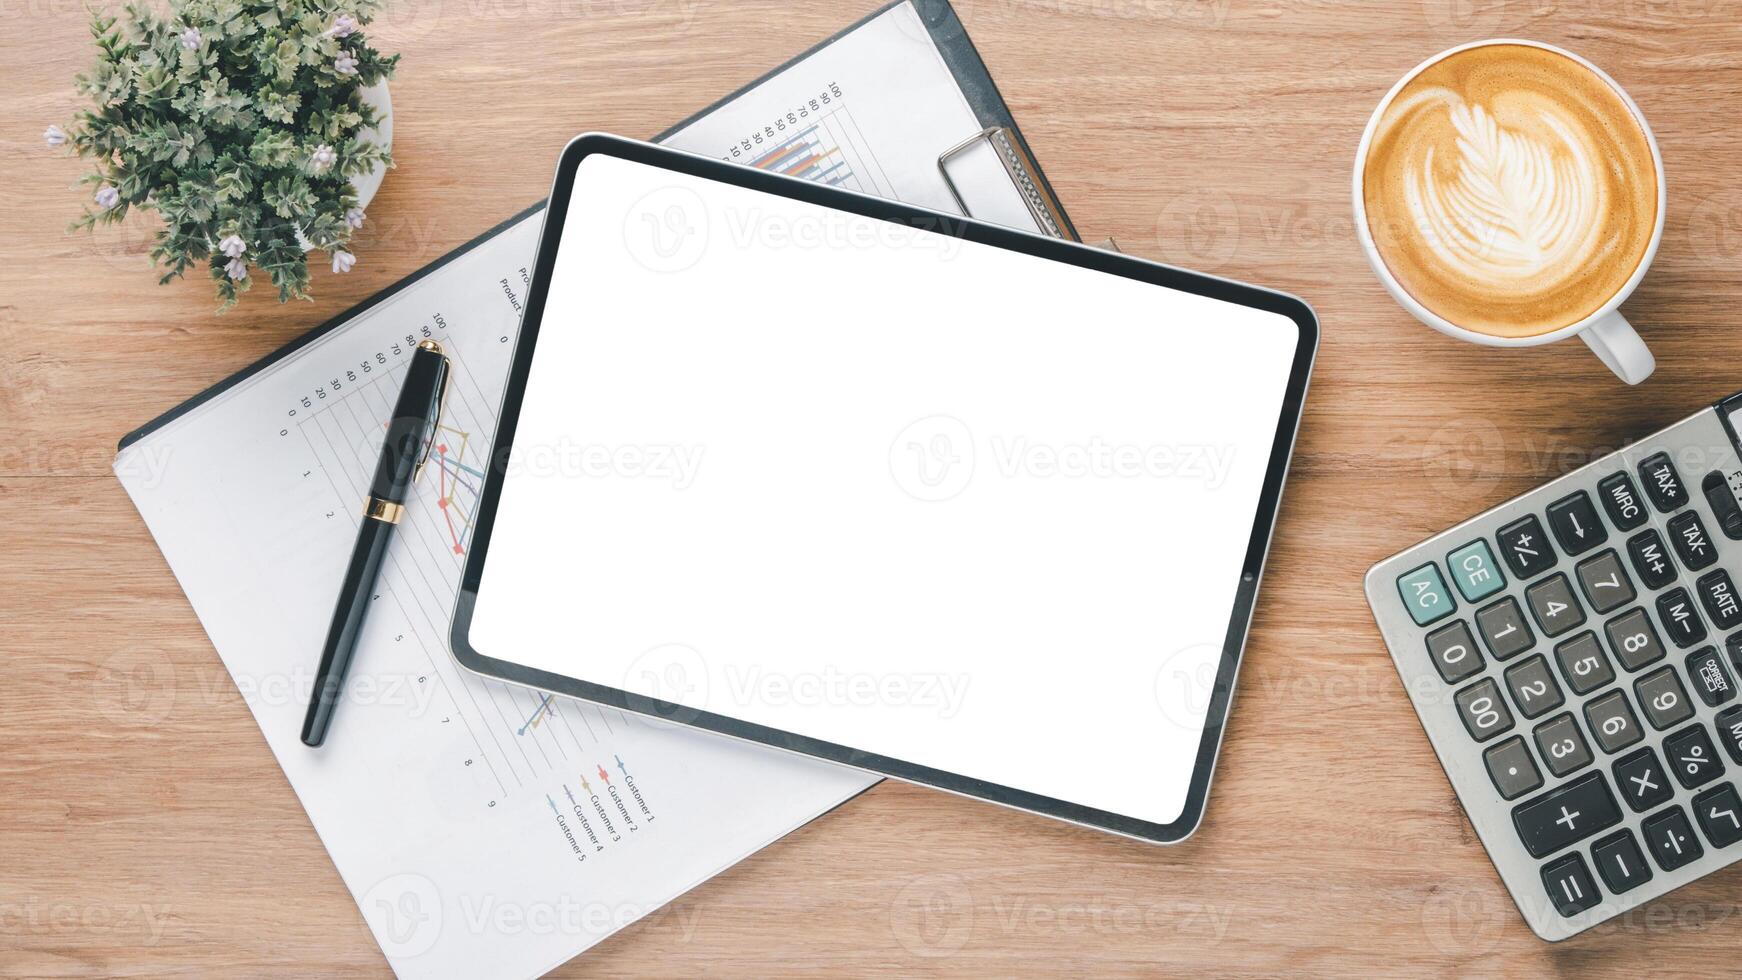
pixel 383 510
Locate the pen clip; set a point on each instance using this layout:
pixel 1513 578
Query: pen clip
pixel 441 412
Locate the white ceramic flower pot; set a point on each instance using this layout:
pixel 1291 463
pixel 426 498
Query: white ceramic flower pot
pixel 381 135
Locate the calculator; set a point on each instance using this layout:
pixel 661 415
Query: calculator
pixel 1573 655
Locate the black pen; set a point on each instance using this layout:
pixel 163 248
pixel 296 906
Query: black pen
pixel 410 434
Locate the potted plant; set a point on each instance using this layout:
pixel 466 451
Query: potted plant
pixel 256 130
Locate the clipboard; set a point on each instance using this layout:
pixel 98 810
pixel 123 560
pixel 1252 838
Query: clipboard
pixel 958 54
pixel 1006 145
pixel 373 322
pixel 999 131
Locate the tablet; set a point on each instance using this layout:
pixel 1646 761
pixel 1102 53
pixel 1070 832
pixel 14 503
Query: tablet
pixel 940 500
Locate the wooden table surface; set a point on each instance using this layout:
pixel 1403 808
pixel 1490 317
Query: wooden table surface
pixel 144 828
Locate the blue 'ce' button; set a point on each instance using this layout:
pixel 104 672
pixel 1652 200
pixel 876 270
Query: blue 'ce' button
pixel 1473 568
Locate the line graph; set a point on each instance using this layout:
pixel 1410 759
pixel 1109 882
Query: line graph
pixel 254 493
pixel 522 739
pixel 457 498
pixel 538 714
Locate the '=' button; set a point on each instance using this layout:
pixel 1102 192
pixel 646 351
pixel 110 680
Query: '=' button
pixel 1473 568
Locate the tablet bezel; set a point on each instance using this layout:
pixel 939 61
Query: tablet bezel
pixel 886 210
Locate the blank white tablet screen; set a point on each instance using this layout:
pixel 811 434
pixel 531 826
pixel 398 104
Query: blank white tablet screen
pixel 946 503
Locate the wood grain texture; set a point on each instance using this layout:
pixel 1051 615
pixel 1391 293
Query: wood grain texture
pixel 144 829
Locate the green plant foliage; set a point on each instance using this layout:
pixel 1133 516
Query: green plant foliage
pixel 237 122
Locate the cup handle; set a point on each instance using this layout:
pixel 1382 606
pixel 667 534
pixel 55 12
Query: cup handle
pixel 1618 345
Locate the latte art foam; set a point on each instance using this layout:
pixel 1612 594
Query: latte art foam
pixel 1517 209
pixel 1510 190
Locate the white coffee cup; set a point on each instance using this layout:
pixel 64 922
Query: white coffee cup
pixel 1605 331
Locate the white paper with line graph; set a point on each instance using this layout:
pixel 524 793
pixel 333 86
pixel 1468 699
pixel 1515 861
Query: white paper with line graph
pixel 484 829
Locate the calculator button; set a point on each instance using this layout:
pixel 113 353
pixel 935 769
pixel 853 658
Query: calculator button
pixel 1676 609
pixel 1473 568
pixel 1710 680
pixel 1718 595
pixel 1671 839
pixel 1512 769
pixel 1651 559
pixel 1620 861
pixel 1642 781
pixel 1663 699
pixel 1562 745
pixel 1503 628
pixel 1424 592
pixel 1692 758
pixel 1533 687
pixel 1729 725
pixel 1525 547
pixel 1453 651
pixel 1719 811
pixel 1612 722
pixel 1722 500
pixel 1633 639
pixel 1484 712
pixel 1622 502
pixel 1571 889
pixel 1692 544
pixel 1576 524
pixel 1583 663
pixel 1565 815
pixel 1605 582
pixel 1551 602
pixel 1662 483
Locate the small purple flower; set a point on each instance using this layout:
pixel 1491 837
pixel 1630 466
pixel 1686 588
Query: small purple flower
pixel 345 63
pixel 322 159
pixel 190 39
pixel 236 268
pixel 54 136
pixel 343 261
pixel 107 197
pixel 354 218
pixel 233 246
pixel 344 25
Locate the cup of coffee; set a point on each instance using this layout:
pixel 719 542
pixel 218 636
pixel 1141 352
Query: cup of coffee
pixel 1510 193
